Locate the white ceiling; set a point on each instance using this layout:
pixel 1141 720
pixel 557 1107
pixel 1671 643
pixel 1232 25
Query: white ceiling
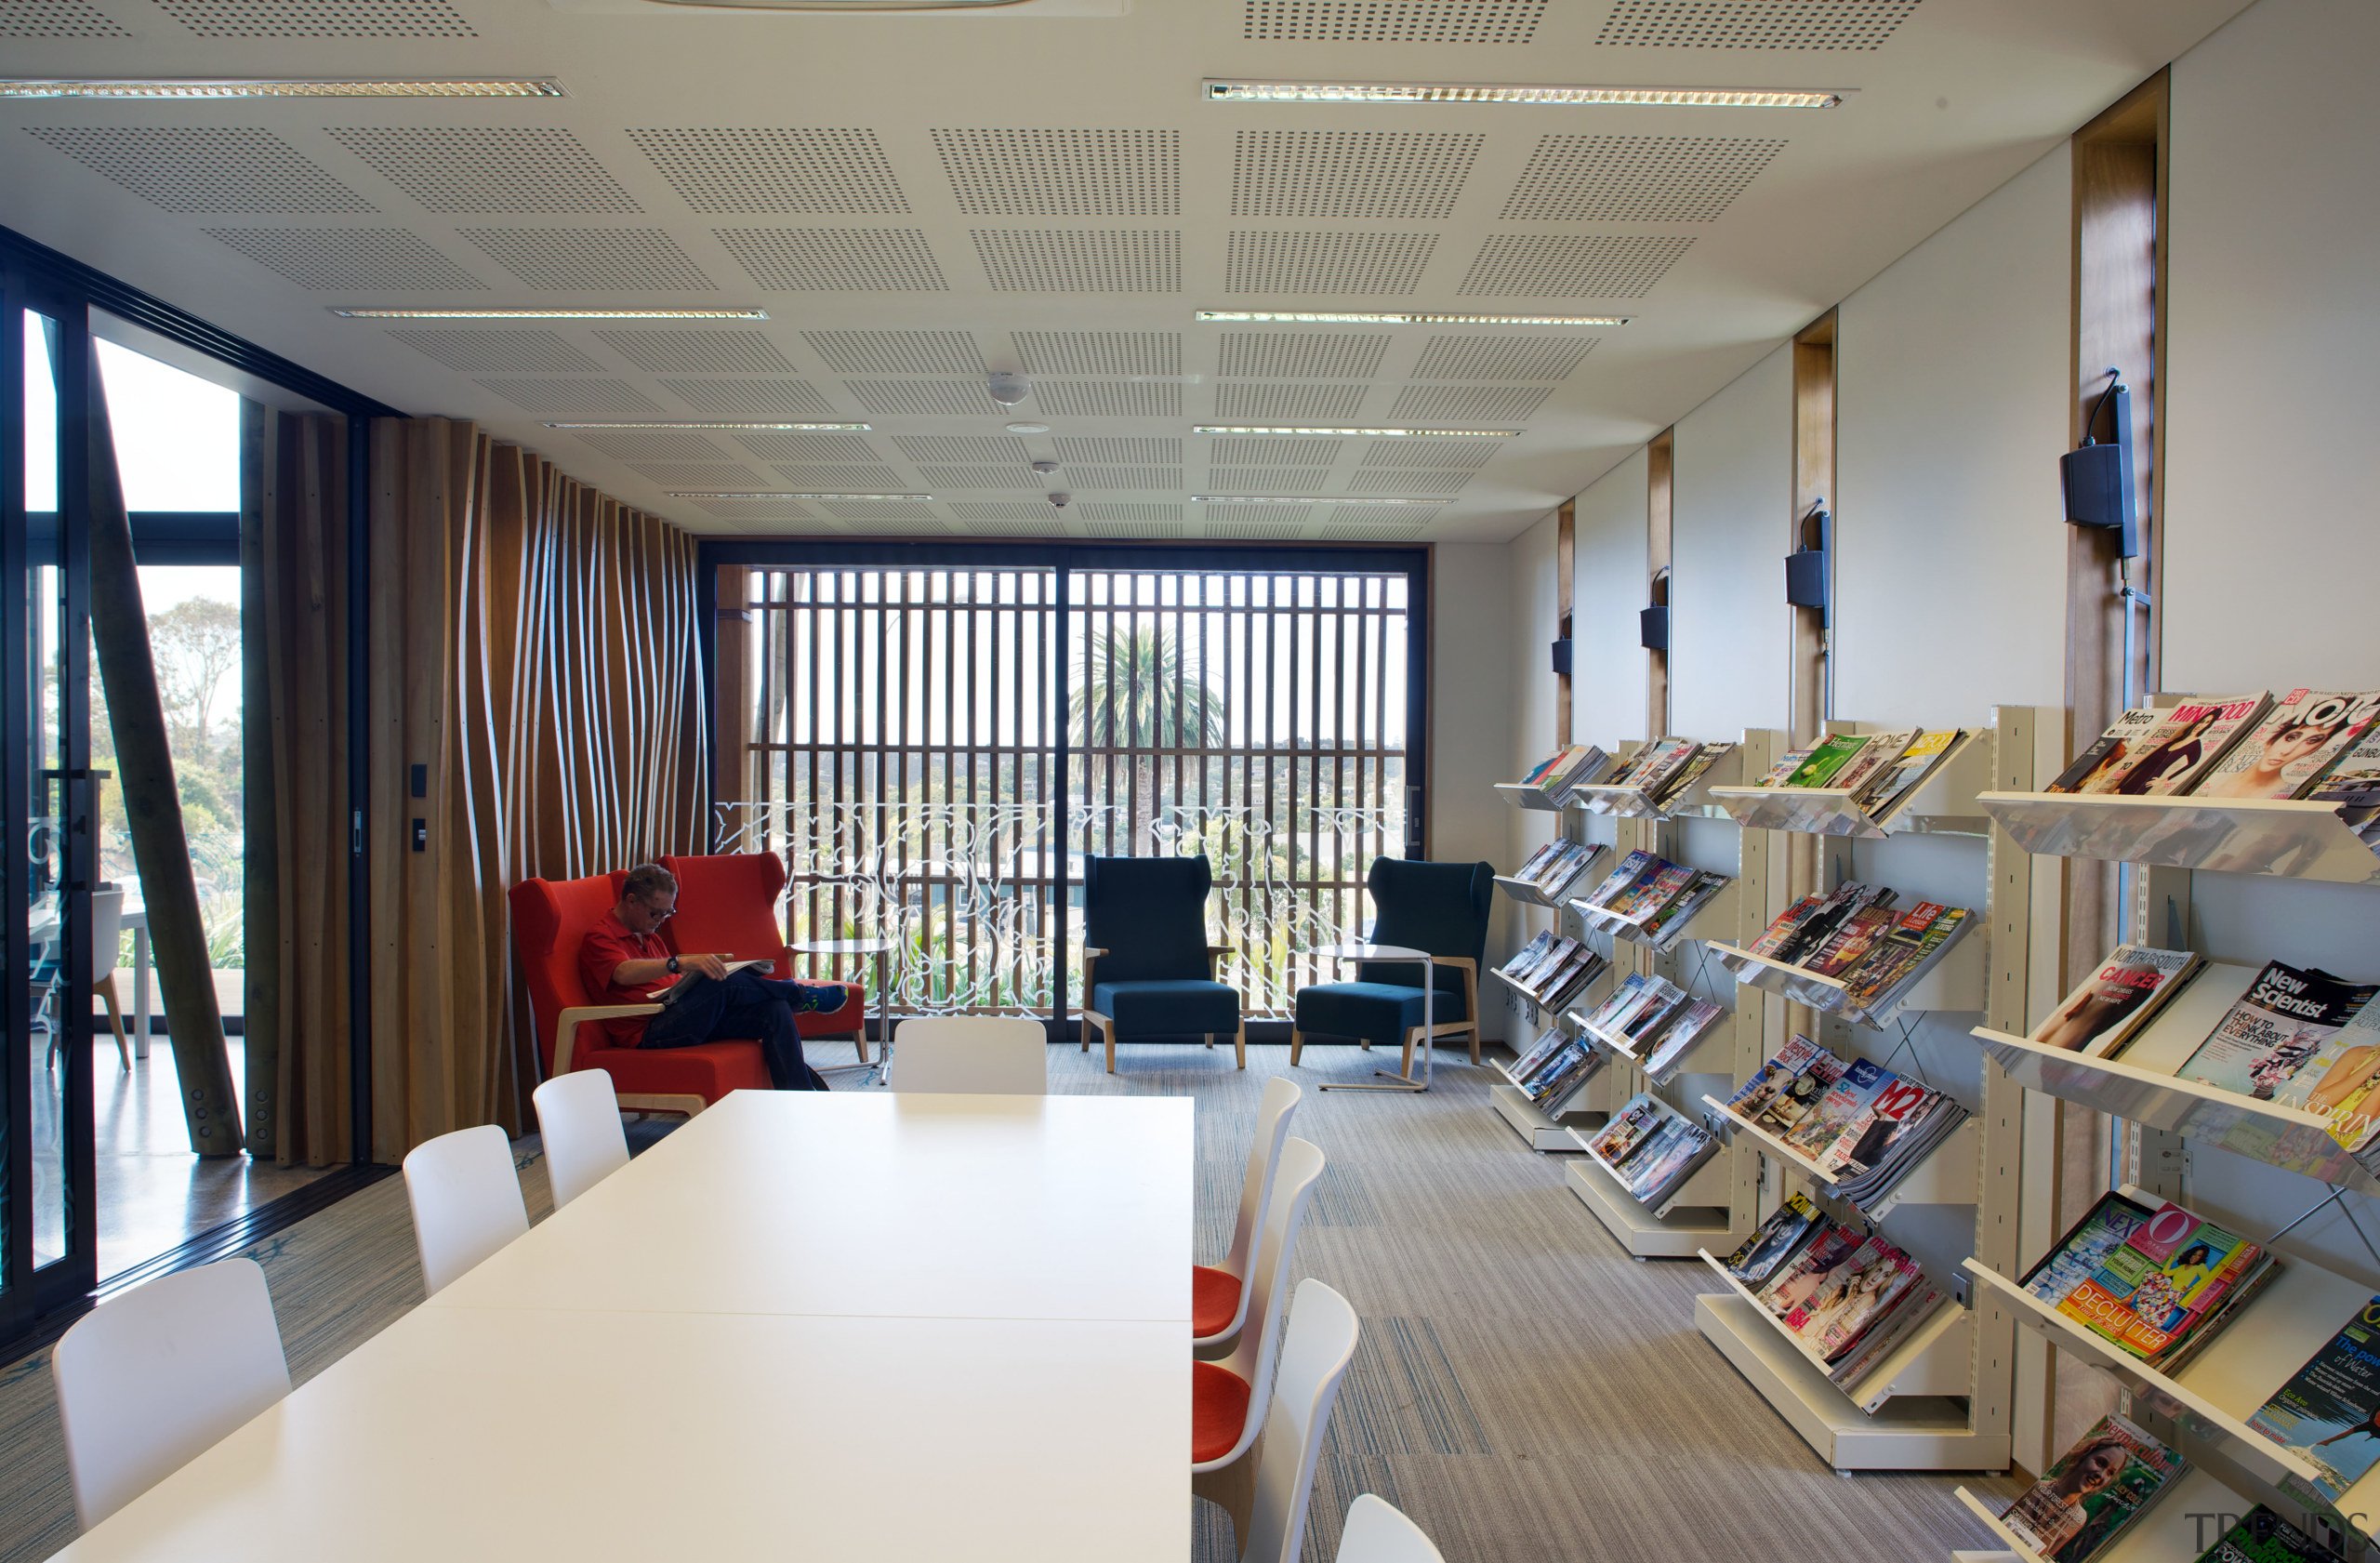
pixel 1042 188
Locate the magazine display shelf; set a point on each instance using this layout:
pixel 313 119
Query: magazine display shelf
pixel 1541 1127
pixel 1522 890
pixel 1695 1216
pixel 2214 1393
pixel 1698 801
pixel 2169 1532
pixel 1525 796
pixel 1709 1048
pixel 1947 1176
pixel 1943 805
pixel 1931 1361
pixel 2141 1087
pixel 2276 837
pixel 1951 979
pixel 1718 914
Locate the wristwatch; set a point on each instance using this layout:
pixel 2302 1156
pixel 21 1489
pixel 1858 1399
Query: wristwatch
pixel 673 966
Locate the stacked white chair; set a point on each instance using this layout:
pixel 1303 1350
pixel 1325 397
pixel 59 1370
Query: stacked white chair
pixel 1315 1354
pixel 578 1120
pixel 990 1055
pixel 466 1201
pixel 1378 1533
pixel 1209 1284
pixel 150 1381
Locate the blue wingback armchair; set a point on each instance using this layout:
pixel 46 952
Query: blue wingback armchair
pixel 1441 907
pixel 1148 969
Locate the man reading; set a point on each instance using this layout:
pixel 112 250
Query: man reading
pixel 624 961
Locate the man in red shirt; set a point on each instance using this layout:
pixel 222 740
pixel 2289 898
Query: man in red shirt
pixel 624 961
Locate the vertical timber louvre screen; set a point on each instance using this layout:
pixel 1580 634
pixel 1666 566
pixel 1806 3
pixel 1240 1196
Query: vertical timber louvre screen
pixel 903 756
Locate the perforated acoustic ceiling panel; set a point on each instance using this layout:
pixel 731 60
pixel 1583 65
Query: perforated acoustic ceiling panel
pixel 1417 483
pixel 750 398
pixel 1266 481
pixel 1133 528
pixel 1120 447
pixel 1279 453
pixel 813 478
pixel 756 509
pixel 561 398
pixel 1377 515
pixel 1469 455
pixel 1109 398
pixel 1031 524
pixel 777 446
pixel 923 398
pixel 1392 22
pixel 1301 355
pixel 594 259
pixel 1099 352
pixel 56 19
pixel 698 474
pixel 488 168
pixel 1637 179
pixel 1501 358
pixel 319 19
pixel 1125 477
pixel 819 171
pixel 1286 403
pixel 1022 261
pixel 836 259
pixel 1349 174
pixel 1754 24
pixel 882 509
pixel 1463 403
pixel 897 353
pixel 1572 265
pixel 1112 510
pixel 651 445
pixel 698 352
pixel 974 449
pixel 1255 531
pixel 349 257
pixel 939 478
pixel 204 170
pixel 1063 173
pixel 1258 515
pixel 498 351
pixel 1271 261
pixel 1002 510
pixel 1391 532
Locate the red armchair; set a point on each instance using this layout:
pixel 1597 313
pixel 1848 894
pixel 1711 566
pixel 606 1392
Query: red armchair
pixel 549 923
pixel 727 905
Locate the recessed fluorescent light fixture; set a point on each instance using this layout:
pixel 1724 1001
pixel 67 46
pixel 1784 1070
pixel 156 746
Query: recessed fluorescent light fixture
pixel 710 494
pixel 807 428
pixel 1368 433
pixel 1449 92
pixel 551 314
pixel 1344 317
pixel 529 87
pixel 1306 500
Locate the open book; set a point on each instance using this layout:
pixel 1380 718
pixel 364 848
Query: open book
pixel 690 979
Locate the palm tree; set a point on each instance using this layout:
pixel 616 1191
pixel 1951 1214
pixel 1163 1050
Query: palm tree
pixel 1136 690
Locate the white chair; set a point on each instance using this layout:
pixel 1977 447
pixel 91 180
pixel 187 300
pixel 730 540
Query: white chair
pixel 1229 1399
pixel 107 932
pixel 578 1118
pixel 996 1055
pixel 1219 1292
pixel 1376 1531
pixel 1314 1354
pixel 466 1201
pixel 150 1381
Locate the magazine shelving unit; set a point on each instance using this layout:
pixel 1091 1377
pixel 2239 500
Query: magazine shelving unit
pixel 2174 1527
pixel 1718 1206
pixel 1944 805
pixel 1943 1400
pixel 1720 914
pixel 2202 1410
pixel 1696 801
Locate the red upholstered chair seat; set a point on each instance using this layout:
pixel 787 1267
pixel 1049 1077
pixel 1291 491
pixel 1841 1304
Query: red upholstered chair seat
pixel 727 905
pixel 1218 1410
pixel 1214 1297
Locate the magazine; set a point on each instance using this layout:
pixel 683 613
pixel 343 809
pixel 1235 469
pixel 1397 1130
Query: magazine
pixel 689 980
pixel 1868 1132
pixel 2262 1536
pixel 2293 744
pixel 1798 1282
pixel 2339 1080
pixel 2097 768
pixel 2160 1283
pixel 2329 1413
pixel 1626 872
pixel 2094 1489
pixel 1845 1100
pixel 2188 743
pixel 1800 1096
pixel 1778 1240
pixel 1893 785
pixel 1786 763
pixel 1669 925
pixel 1545 1047
pixel 1705 756
pixel 2354 777
pixel 1851 941
pixel 1697 1017
pixel 2115 1004
pixel 1903 955
pixel 1773 1076
pixel 2084 1248
pixel 1829 756
pixel 2275 1029
pixel 1880 750
pixel 1855 1297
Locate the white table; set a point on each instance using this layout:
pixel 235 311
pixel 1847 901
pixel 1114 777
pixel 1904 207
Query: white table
pixel 700 1358
pixel 1429 1008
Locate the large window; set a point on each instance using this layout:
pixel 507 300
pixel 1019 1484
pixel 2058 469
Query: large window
pixel 935 749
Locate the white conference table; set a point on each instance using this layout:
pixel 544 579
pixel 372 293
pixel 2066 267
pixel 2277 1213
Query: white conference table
pixel 839 1326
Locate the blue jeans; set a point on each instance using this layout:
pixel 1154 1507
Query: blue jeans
pixel 747 1004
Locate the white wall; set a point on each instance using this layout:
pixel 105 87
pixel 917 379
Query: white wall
pixel 1524 626
pixel 2273 351
pixel 1731 505
pixel 1471 737
pixel 1607 670
pixel 1952 374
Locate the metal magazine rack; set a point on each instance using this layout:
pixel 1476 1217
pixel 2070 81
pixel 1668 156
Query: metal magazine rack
pixel 2203 1408
pixel 1940 1399
pixel 1716 1203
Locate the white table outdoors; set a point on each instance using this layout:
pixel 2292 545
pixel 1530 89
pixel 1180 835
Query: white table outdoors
pixel 702 1358
pixel 1428 1007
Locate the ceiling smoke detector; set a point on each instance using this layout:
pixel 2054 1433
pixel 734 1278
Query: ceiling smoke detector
pixel 1060 498
pixel 1008 390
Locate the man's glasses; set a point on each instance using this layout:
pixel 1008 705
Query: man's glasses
pixel 658 914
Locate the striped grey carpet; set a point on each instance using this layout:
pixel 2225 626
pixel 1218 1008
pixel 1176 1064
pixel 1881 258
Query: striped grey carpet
pixel 1523 1388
